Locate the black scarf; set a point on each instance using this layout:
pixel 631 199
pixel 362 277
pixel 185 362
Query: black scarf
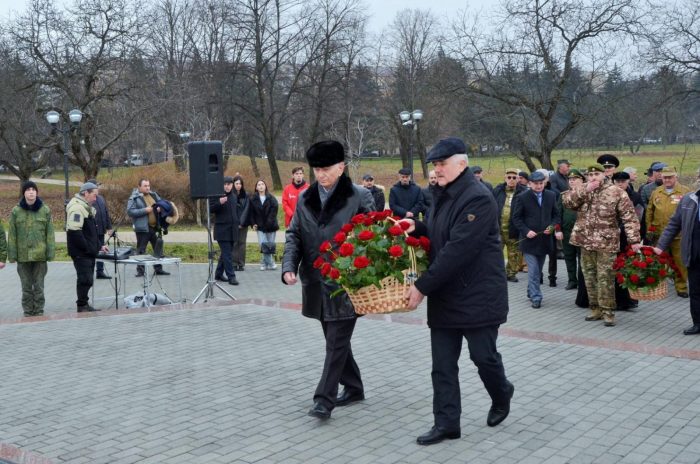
pixel 35 207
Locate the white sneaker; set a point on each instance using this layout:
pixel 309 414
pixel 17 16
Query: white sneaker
pixel 263 267
pixel 273 267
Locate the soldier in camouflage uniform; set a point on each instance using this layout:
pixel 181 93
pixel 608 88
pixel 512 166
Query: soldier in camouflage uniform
pixel 662 204
pixel 600 204
pixel 505 194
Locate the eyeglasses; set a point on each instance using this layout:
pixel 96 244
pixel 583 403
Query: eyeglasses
pixel 511 177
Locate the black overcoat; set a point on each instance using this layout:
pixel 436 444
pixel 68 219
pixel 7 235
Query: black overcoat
pixel 226 220
pixel 466 280
pixel 311 226
pixel 264 215
pixel 527 215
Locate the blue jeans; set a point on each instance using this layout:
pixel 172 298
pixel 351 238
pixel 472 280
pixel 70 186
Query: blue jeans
pixel 267 237
pixel 535 263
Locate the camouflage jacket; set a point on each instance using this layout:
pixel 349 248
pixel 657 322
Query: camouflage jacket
pixel 597 227
pixel 30 234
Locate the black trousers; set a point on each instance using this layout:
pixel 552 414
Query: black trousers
pixel 446 348
pixel 99 265
pixel 84 268
pixel 142 241
pixel 340 366
pixel 225 263
pixel 694 291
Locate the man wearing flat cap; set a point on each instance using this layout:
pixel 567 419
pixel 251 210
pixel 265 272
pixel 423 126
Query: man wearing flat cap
pixel 505 194
pixel 559 181
pixel 377 193
pixel 466 288
pixel 83 241
pixel 226 222
pixel 662 204
pixel 655 181
pixel 322 210
pixel 600 207
pixel 478 173
pixel 405 197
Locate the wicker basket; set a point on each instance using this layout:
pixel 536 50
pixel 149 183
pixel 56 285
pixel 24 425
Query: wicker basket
pixel 390 298
pixel 650 294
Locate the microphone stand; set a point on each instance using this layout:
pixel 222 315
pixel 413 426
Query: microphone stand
pixel 115 240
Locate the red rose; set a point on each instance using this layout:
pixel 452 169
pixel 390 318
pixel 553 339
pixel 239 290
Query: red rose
pixel 652 229
pixel 630 253
pixel 651 280
pixel 346 249
pixel 368 221
pixel 318 263
pixel 663 273
pixel 347 228
pixel 412 241
pixel 649 260
pixel 335 274
pixel 620 278
pixel 405 225
pixel 358 219
pixel 325 246
pixel 339 237
pixel 557 227
pixel 366 235
pixel 395 250
pixel 325 269
pixel 642 265
pixel 634 278
pixel 663 261
pixel 425 243
pixel 395 230
pixel 647 251
pixel 361 262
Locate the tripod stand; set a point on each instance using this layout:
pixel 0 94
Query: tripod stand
pixel 115 275
pixel 208 289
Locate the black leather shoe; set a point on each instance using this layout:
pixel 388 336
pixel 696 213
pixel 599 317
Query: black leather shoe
pixel 102 275
pixel 221 278
pixel 436 435
pixel 536 304
pixel 320 411
pixel 571 286
pixel 499 412
pixel 346 398
pixel 692 330
pixel 161 272
pixel 512 279
pixel 552 283
pixel 240 268
pixel 87 309
pixel 683 294
pixel 232 281
pixel 138 274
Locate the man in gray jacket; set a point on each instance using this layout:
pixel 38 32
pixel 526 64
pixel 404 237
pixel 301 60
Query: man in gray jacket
pixel 142 210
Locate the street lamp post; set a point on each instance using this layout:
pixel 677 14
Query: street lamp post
pixel 411 120
pixel 53 118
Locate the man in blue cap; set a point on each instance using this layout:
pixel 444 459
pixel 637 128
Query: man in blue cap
pixel 655 182
pixel 466 289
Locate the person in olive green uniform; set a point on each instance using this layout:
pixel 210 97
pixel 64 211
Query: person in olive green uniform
pixel 31 244
pixel 572 253
pixel 3 247
pixel 505 194
pixel 662 204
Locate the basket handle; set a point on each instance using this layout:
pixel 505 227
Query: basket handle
pixel 413 271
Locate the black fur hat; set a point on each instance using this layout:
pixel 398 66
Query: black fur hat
pixel 325 153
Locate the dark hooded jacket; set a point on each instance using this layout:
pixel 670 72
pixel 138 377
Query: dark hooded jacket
pixel 311 226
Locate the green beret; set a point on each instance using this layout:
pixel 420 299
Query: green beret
pixel 595 168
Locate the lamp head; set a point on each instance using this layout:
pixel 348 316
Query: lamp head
pixel 75 117
pixel 405 116
pixel 52 117
pixel 417 115
pixel 185 136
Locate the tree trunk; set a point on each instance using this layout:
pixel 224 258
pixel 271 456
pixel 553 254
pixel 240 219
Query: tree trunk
pixel 272 161
pixel 254 164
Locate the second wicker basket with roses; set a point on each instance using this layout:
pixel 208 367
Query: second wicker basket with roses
pixel 374 260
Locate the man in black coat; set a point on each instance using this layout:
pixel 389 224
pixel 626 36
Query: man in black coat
pixel 104 226
pixel 559 181
pixel 322 210
pixel 405 197
pixel 466 288
pixel 536 217
pixel 226 224
pixel 429 191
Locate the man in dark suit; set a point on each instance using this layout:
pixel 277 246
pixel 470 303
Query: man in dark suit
pixel 466 288
pixel 536 216
pixel 226 222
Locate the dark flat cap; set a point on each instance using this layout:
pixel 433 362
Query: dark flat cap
pixel 446 148
pixel 368 176
pixel 228 180
pixel 325 153
pixel 658 166
pixel 405 172
pixel 621 176
pixel 608 160
pixel 477 168
pixel 563 161
pixel 537 176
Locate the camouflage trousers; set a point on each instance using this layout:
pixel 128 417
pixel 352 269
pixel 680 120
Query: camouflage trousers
pixel 681 281
pixel 597 268
pixel 31 276
pixel 515 257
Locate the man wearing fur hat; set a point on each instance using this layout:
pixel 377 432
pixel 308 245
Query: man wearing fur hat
pixel 83 241
pixel 31 244
pixel 322 210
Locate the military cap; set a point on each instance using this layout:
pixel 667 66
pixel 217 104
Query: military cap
pixel 563 161
pixel 87 186
pixel 405 172
pixel 575 173
pixel 477 168
pixel 325 153
pixel 446 148
pixel 537 176
pixel 368 176
pixel 524 175
pixel 512 171
pixel 595 168
pixel 621 176
pixel 658 166
pixel 228 180
pixel 668 171
pixel 608 160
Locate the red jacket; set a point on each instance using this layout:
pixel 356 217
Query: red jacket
pixel 290 197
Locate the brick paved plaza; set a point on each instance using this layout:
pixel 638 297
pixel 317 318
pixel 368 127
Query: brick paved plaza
pixel 229 383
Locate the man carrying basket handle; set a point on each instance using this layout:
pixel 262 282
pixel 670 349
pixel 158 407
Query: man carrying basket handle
pixel 466 288
pixel 320 213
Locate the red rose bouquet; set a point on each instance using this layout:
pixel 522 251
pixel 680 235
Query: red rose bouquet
pixel 644 272
pixel 369 250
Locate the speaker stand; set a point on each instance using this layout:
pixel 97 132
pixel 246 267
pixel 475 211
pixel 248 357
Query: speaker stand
pixel 208 289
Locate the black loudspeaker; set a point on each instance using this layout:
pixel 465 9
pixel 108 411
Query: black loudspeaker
pixel 206 169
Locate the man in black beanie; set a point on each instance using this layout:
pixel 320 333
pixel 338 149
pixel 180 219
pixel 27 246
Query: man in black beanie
pixel 322 210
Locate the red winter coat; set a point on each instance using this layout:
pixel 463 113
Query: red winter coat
pixel 290 197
